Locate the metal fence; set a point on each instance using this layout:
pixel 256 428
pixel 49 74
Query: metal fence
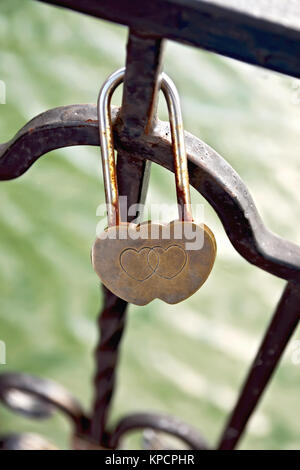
pixel 267 38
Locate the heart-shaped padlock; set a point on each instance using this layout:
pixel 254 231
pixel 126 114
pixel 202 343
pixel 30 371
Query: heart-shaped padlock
pixel 142 262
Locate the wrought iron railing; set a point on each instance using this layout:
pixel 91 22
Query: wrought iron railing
pixel 265 40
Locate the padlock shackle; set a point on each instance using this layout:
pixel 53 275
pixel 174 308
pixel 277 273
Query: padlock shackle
pixel 178 144
pixel 107 147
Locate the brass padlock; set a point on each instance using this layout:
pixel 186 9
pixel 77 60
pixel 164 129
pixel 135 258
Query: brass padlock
pixel 139 263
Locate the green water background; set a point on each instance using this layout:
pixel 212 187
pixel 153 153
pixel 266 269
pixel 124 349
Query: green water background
pixel 189 359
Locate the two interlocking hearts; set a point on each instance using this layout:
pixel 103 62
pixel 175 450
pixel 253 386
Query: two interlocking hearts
pixel 148 261
pixel 139 268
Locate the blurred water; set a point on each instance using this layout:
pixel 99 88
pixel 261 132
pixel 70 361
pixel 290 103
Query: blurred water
pixel 189 359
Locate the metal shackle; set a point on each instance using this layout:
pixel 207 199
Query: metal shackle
pixel 107 147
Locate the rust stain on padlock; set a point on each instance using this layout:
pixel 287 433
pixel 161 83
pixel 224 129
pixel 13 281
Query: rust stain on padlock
pixel 132 263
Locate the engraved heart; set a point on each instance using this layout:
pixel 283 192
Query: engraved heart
pixel 167 262
pixel 148 261
pixel 135 263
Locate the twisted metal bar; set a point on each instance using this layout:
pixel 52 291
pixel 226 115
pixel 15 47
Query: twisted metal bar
pixel 111 327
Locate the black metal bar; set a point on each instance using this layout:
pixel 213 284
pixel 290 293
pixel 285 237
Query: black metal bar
pixel 261 39
pixel 141 84
pixel 138 114
pixel 140 95
pixel 133 180
pixel 281 328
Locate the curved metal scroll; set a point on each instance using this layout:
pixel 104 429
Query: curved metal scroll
pixel 209 173
pixel 25 441
pixel 39 398
pixel 158 422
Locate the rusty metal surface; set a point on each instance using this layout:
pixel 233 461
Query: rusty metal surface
pixel 209 173
pixel 178 145
pixel 258 35
pixel 139 105
pixel 141 84
pixel 107 147
pixel 282 326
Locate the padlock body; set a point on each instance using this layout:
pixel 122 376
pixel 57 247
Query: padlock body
pixel 139 263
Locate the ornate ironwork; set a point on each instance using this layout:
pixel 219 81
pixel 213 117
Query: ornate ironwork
pixel 268 43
